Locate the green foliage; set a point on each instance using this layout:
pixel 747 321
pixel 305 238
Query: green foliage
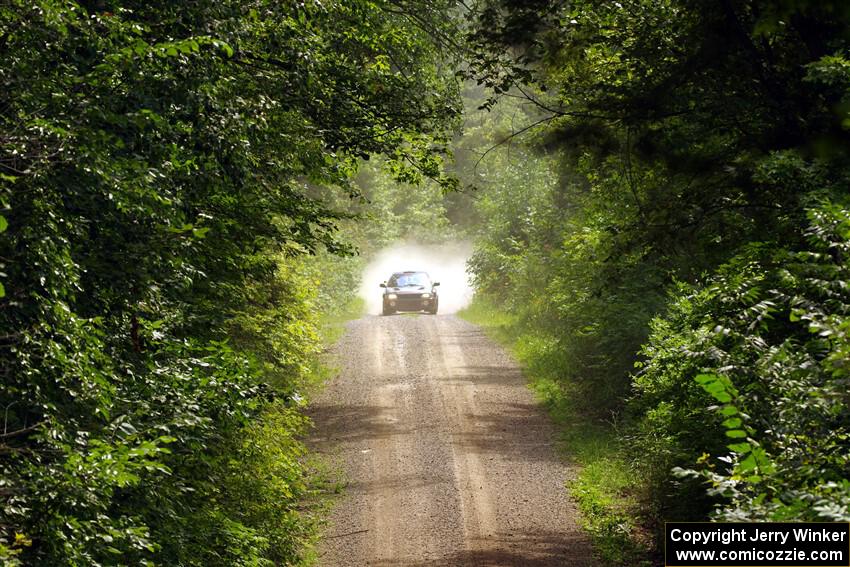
pixel 278 322
pixel 546 250
pixel 759 352
pixel 157 162
pixel 685 146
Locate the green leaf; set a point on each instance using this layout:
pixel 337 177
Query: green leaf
pixel 747 465
pixel 718 386
pixel 741 448
pixel 721 396
pixel 732 422
pixel 4 224
pixel 764 462
pixel 706 378
pixel 736 433
pixel 226 48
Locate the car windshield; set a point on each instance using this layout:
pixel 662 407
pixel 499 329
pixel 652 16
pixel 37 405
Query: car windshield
pixel 409 279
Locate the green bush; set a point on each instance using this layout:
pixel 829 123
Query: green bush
pixel 189 458
pixel 157 161
pixel 745 381
pixel 683 142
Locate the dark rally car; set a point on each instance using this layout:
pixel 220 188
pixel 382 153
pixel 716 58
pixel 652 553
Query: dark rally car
pixel 410 291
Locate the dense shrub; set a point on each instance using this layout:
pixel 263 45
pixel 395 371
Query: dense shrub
pixel 691 143
pixel 546 252
pixel 745 381
pixel 157 325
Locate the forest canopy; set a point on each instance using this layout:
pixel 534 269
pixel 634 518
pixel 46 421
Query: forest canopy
pixel 156 161
pixel 656 190
pixel 697 230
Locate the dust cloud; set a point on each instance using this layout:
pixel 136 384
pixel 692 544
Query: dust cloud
pixel 445 263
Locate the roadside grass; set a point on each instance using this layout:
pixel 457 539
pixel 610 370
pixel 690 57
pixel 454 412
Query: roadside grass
pixel 325 482
pixel 331 328
pixel 332 325
pixel 606 487
pixel 325 475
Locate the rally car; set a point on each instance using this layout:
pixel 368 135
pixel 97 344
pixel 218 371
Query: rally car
pixel 410 291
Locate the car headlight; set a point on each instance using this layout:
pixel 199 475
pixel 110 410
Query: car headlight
pixel 426 296
pixel 391 296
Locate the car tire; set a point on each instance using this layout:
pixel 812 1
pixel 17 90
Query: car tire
pixel 388 311
pixel 433 310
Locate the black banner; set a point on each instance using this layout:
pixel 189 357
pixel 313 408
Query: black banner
pixel 757 544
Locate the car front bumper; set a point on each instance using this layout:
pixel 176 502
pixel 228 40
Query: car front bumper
pixel 409 304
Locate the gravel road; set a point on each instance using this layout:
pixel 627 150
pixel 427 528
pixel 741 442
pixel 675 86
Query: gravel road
pixel 449 460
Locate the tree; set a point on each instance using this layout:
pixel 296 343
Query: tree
pixel 692 138
pixel 154 161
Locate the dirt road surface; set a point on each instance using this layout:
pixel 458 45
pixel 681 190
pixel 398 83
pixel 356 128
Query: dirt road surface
pixel 448 459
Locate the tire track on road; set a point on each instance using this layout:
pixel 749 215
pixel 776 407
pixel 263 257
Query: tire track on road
pixel 450 462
